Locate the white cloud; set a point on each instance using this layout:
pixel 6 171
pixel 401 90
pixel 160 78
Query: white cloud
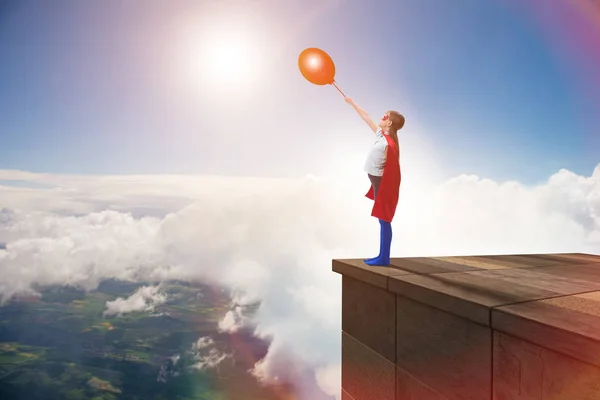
pixel 145 298
pixel 232 321
pixel 206 355
pixel 203 342
pixel 273 241
pixel 329 378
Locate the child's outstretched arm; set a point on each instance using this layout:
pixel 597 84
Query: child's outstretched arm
pixel 363 114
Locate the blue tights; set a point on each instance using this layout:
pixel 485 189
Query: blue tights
pixel 385 236
pixel 385 243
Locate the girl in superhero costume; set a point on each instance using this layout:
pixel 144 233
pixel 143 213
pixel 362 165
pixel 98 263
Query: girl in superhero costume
pixel 383 169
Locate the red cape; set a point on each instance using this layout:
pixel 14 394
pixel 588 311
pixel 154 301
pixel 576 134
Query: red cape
pixel 389 189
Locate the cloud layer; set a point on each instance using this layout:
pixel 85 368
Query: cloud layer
pixel 271 241
pixel 145 298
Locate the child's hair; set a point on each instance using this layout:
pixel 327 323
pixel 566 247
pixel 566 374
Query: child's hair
pixel 397 124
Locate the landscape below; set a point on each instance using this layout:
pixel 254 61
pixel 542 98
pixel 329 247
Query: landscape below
pixel 62 346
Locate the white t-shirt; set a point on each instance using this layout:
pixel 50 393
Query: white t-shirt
pixel 377 155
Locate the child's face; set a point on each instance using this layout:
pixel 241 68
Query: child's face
pixel 385 121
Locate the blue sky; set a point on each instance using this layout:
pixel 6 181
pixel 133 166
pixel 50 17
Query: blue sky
pixel 99 87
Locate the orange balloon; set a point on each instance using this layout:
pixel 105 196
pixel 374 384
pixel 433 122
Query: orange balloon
pixel 316 66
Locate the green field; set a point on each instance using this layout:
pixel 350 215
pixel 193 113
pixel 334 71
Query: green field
pixel 61 346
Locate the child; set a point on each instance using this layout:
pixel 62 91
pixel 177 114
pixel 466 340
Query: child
pixel 383 169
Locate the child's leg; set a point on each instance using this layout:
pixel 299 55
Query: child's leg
pixel 375 182
pixel 385 244
pixel 381 243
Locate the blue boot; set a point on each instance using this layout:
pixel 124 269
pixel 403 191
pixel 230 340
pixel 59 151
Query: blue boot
pixel 381 235
pixel 385 244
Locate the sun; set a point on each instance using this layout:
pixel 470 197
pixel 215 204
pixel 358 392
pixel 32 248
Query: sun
pixel 223 54
pixel 228 59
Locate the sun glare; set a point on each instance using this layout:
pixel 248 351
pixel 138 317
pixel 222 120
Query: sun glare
pixel 223 55
pixel 228 59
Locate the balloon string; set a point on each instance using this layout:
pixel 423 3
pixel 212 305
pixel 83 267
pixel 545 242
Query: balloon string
pixel 338 88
